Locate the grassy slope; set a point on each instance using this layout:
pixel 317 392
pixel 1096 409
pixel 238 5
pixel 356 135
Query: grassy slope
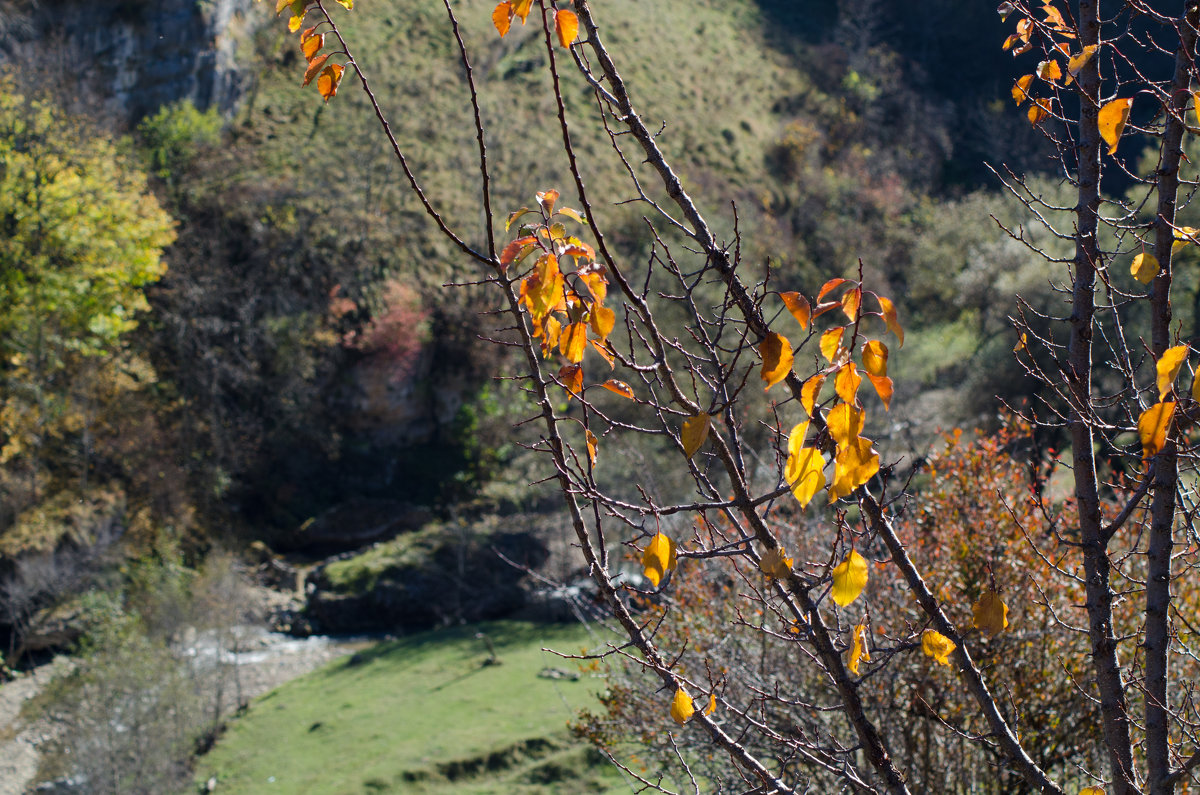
pixel 421 715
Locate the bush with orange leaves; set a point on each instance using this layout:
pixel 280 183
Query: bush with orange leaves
pixel 982 518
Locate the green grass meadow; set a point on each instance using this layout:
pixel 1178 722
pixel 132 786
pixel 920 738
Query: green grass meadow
pixel 422 714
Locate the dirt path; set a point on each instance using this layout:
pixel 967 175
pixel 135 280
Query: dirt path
pixel 266 661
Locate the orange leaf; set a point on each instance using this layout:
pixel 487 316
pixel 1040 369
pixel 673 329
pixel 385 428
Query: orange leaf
pixel 591 446
pixel 858 648
pixel 618 387
pixel 810 391
pixel 776 353
pixel 311 45
pixel 596 283
pixel 875 358
pixel 547 198
pixel 308 34
pixel 521 8
pixel 1050 71
pixel 891 318
pixel 510 252
pixel 798 306
pixel 847 381
pixel 1054 17
pixel 1112 118
pixel 829 287
pixel 502 17
pixel 331 77
pixel 821 309
pixel 831 342
pixel 571 377
pixel 1152 427
pixel 851 302
pixel 314 67
pixel 573 342
pixel 566 24
pixel 1020 89
pixel 1038 112
pixel 553 329
pixel 604 350
pixel 883 387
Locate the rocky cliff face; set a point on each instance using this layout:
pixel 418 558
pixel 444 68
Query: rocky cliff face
pixel 133 56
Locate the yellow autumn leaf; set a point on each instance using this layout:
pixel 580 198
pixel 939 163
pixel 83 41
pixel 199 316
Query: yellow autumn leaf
pixel 573 342
pixel 314 68
pixel 937 646
pixel 566 24
pixel 1144 268
pixel 1168 368
pixel 1092 791
pixel 875 357
pixel 658 558
pixel 1152 427
pixel 989 613
pixel 805 473
pixel 805 468
pixel 851 301
pixel 712 704
pixel 695 431
pixel 810 392
pixel 798 306
pixel 681 707
pixel 854 465
pixel 1112 120
pixel 858 648
pixel 774 564
pixel 327 83
pixel 592 443
pixel 891 317
pixel 776 353
pixel 1196 385
pixel 845 423
pixel 1020 346
pixel 846 383
pixel 1076 63
pixel 1049 70
pixel 831 341
pixel 602 321
pixel 849 578
pixel 1020 89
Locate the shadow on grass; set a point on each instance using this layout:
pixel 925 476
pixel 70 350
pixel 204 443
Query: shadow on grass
pixel 471 640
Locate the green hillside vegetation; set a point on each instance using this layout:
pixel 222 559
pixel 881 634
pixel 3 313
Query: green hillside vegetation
pixel 423 714
pixel 829 147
